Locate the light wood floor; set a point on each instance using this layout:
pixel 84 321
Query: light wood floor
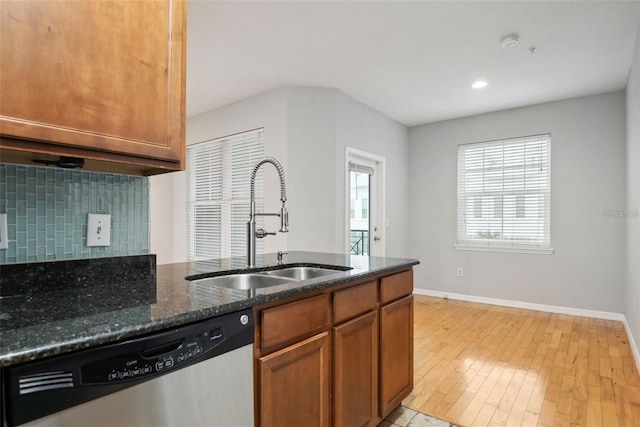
pixel 479 364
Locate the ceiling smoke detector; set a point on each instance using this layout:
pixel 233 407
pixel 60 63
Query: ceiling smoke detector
pixel 509 40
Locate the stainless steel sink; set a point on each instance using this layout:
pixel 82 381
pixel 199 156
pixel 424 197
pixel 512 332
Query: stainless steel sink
pixel 243 281
pixel 301 273
pixel 266 279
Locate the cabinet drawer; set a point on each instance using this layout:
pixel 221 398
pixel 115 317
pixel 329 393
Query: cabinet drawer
pixel 290 322
pixel 396 286
pixel 351 302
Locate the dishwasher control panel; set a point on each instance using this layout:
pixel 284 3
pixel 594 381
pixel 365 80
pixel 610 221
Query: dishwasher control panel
pixel 153 360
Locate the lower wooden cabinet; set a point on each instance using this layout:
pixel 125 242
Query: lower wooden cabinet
pixel 355 358
pixel 342 357
pixel 396 353
pixel 294 384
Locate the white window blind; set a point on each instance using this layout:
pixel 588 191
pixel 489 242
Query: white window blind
pixel 219 173
pixel 504 192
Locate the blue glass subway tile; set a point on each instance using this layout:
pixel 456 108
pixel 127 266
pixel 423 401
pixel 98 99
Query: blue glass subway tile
pixel 41 223
pixel 21 223
pixel 42 253
pixel 31 216
pixel 31 185
pixel 11 250
pixel 40 193
pixel 11 183
pixel 11 200
pixel 21 175
pixel 21 239
pixel 31 200
pixel 21 192
pixel 11 215
pixel 51 217
pixel 53 204
pixel 59 193
pixel 21 207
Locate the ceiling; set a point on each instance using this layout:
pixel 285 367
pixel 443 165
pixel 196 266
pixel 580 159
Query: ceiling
pixel 413 61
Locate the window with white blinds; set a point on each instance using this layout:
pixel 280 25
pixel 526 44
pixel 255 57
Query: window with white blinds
pixel 504 190
pixel 219 173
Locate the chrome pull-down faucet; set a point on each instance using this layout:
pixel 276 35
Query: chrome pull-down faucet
pixel 252 233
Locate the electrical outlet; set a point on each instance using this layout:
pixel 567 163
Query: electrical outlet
pixel 98 230
pixel 460 272
pixel 4 238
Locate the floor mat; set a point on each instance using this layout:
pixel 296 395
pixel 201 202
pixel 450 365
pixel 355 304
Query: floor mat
pixel 405 417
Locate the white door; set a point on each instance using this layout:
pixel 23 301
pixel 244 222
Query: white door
pixel 365 207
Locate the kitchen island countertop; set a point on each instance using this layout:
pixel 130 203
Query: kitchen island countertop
pixel 113 299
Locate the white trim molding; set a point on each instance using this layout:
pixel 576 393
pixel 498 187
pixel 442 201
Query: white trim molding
pixel 634 346
pixel 526 305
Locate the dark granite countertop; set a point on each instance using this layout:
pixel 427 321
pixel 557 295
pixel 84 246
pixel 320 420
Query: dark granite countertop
pixel 56 307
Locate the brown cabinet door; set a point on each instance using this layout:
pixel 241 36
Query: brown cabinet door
pixel 294 384
pixel 356 372
pixel 396 353
pixel 89 77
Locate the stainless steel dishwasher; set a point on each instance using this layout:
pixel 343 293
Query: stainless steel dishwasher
pixel 195 375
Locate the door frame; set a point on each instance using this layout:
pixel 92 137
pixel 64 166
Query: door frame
pixel 354 154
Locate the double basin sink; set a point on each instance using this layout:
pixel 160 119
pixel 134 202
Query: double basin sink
pixel 268 278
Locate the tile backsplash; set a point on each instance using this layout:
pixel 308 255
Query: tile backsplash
pixel 47 211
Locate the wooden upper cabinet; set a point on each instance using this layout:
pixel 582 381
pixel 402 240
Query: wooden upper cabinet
pixel 102 80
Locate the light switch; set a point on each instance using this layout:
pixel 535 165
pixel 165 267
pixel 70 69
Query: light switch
pixel 98 230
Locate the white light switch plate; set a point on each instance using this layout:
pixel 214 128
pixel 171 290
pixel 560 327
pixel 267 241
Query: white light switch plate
pixel 98 230
pixel 4 238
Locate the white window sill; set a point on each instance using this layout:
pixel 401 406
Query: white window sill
pixel 507 249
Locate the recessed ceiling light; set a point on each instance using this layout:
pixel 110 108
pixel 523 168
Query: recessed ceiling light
pixel 479 84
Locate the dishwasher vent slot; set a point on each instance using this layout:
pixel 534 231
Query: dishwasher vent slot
pixel 45 381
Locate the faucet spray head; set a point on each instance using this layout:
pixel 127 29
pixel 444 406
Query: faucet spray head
pixel 284 219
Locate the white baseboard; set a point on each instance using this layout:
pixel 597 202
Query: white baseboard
pixel 526 305
pixel 541 307
pixel 634 347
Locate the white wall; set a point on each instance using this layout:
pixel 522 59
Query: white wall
pixel 632 289
pixel 366 129
pixel 307 130
pixel 586 270
pixel 311 168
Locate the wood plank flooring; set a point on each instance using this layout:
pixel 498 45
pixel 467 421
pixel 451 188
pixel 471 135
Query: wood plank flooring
pixel 485 365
